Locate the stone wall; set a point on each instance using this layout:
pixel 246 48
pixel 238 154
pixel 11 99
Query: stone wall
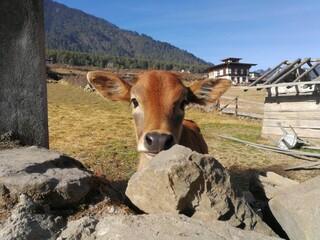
pixel 23 93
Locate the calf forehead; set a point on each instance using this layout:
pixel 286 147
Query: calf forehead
pixel 159 85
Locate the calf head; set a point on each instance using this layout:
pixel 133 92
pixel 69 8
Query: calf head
pixel 158 100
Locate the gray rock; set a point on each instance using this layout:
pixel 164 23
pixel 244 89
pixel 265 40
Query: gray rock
pixel 26 222
pixel 297 209
pixel 162 226
pixel 169 226
pixel 182 181
pixel 270 184
pixel 42 174
pixel 79 229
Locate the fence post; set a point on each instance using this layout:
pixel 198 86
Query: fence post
pixel 236 108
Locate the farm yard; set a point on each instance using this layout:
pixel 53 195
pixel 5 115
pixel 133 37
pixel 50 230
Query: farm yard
pixel 100 134
pixel 69 161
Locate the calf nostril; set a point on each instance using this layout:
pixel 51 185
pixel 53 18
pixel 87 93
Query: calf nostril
pixel 169 142
pixel 149 139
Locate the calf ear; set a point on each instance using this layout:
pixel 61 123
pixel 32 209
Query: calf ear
pixel 208 90
pixel 109 85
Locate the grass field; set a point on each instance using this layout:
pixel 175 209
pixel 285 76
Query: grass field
pixel 100 134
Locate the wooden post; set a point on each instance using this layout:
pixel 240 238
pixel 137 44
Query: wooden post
pixel 285 70
pixel 314 69
pixel 306 72
pixel 266 74
pixel 236 109
pixel 290 71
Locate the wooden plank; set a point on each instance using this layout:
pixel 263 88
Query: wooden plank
pixel 301 98
pixel 312 67
pixel 240 106
pixel 280 79
pixel 243 114
pixel 242 100
pixel 275 149
pixel 283 71
pixel 301 132
pixel 295 123
pixel 258 87
pixel 293 90
pixel 303 166
pixel 311 147
pixel 292 107
pixel 302 115
pixel 265 75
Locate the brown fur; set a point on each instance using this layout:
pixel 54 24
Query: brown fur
pixel 159 97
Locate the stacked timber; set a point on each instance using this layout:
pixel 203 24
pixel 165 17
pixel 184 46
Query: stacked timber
pixel 293 99
pixel 295 107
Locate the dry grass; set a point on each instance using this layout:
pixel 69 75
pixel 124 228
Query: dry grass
pixel 92 130
pixel 100 134
pixel 254 95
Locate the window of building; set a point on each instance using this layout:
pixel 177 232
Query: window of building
pixel 221 72
pixel 236 71
pixel 241 71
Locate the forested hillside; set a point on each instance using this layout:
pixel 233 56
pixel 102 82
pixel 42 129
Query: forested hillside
pixel 73 30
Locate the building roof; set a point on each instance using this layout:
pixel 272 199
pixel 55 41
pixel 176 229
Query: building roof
pixel 231 61
pixel 281 75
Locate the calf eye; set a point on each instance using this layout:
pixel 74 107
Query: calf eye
pixel 135 102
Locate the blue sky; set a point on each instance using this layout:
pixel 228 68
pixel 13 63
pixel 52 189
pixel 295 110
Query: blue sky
pixel 264 32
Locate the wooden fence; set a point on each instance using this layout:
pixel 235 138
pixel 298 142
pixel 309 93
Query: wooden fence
pixel 241 107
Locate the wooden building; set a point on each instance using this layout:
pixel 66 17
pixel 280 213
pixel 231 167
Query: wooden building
pixel 292 99
pixel 231 68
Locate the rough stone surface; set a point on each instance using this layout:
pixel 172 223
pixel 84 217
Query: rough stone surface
pixel 270 184
pixel 23 91
pixel 42 174
pixel 154 226
pixel 28 220
pixel 182 181
pixel 297 209
pixel 34 180
pixel 80 229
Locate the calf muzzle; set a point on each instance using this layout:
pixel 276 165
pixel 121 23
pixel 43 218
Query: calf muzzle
pixel 156 142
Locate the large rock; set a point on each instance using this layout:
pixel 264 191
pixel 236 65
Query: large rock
pixel 154 226
pixel 28 220
pixel 182 181
pixel 42 174
pixel 297 209
pixel 269 185
pixel 82 228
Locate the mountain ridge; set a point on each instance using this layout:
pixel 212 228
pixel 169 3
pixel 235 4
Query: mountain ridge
pixel 74 30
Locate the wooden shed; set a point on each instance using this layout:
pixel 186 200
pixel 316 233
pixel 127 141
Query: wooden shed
pixel 292 99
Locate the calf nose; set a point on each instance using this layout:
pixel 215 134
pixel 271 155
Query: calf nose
pixel 156 142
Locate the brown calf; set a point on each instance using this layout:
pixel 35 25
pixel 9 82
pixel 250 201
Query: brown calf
pixel 158 99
